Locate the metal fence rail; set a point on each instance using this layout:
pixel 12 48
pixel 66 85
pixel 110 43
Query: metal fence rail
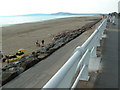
pixel 78 62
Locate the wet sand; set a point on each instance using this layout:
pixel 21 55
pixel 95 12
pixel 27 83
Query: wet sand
pixel 25 35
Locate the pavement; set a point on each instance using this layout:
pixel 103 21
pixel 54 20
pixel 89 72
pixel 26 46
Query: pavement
pixel 109 76
pixel 38 75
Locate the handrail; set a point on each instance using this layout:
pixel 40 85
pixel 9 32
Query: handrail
pixel 55 80
pixel 64 76
pixel 86 43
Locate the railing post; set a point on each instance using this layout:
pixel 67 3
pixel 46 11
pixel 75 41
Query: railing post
pixel 104 28
pixel 93 52
pixel 104 34
pixel 98 42
pixel 84 76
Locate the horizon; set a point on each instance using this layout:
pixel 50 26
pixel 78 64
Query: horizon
pixel 23 7
pixel 55 13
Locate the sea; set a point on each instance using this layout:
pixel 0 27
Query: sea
pixel 12 20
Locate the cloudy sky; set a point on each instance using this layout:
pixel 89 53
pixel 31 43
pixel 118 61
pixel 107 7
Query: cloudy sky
pixel 19 7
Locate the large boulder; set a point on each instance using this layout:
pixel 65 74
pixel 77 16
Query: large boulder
pixel 7 76
pixel 29 63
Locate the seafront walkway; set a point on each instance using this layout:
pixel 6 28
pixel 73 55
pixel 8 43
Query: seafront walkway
pixel 109 76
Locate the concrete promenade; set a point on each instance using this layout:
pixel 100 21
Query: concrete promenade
pixel 109 76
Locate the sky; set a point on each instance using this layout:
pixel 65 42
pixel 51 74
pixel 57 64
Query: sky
pixel 20 7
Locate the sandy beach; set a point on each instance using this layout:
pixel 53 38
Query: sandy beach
pixel 25 35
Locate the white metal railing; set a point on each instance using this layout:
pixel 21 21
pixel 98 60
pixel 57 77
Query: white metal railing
pixel 77 63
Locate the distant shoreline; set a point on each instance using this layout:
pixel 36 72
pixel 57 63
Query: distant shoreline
pixel 56 17
pixel 58 13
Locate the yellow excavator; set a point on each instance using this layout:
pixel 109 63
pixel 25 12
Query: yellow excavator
pixel 17 56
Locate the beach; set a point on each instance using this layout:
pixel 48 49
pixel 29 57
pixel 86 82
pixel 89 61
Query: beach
pixel 25 35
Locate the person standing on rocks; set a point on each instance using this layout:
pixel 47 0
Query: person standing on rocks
pixel 42 42
pixel 37 44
